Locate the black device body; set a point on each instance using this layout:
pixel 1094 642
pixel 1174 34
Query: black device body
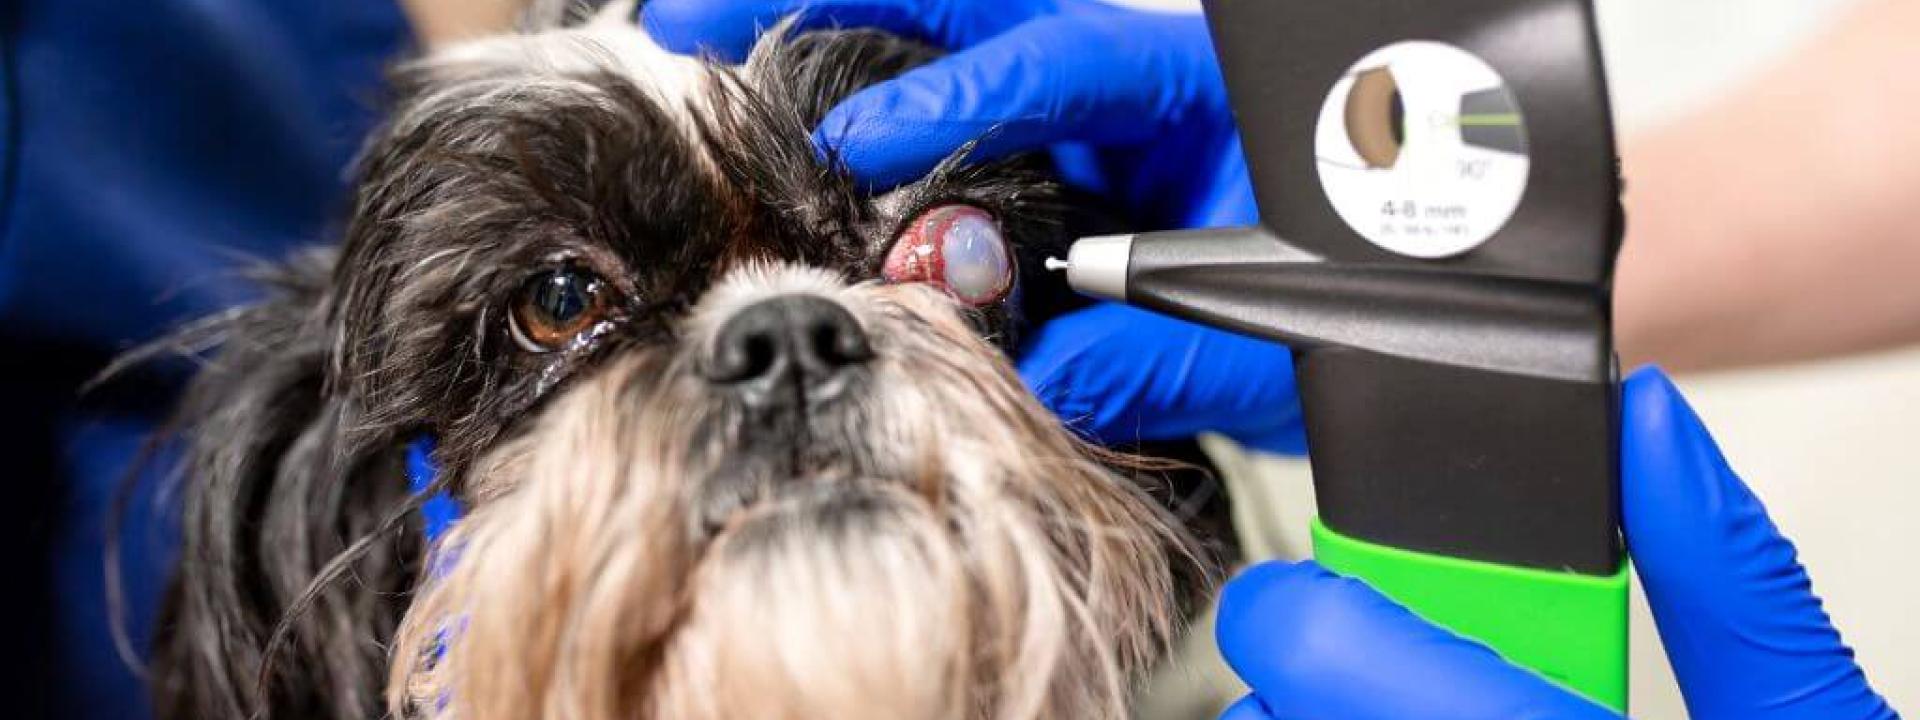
pixel 1464 406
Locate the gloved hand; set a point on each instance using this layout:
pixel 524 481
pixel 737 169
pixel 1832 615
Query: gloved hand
pixel 1131 104
pixel 1122 374
pixel 1745 634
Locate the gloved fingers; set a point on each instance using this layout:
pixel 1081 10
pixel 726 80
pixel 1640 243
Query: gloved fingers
pixel 1122 374
pixel 1743 629
pixel 728 28
pixel 1248 708
pixel 1313 644
pixel 1100 78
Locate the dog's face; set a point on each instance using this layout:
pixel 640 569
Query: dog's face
pixel 737 436
pixel 542 203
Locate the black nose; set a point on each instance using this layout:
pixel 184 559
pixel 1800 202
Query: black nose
pixel 790 348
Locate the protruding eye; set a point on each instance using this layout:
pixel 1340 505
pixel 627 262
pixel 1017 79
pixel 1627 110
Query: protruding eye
pixel 957 248
pixel 556 306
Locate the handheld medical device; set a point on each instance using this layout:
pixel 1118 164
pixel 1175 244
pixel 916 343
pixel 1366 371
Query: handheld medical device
pixel 1440 215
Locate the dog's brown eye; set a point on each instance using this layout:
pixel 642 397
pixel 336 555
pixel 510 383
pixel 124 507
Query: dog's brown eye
pixel 556 306
pixel 957 248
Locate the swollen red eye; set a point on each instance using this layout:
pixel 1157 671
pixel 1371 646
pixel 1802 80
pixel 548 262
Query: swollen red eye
pixel 957 248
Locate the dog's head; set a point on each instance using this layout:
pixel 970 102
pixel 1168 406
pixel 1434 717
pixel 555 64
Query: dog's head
pixel 737 435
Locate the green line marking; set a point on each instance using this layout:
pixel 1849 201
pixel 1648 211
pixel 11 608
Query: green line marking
pixel 1490 120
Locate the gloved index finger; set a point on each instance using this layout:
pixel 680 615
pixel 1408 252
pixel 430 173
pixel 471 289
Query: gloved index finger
pixel 1101 78
pixel 728 28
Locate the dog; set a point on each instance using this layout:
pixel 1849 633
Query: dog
pixel 737 437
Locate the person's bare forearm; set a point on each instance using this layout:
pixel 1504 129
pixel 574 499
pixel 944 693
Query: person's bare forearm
pixel 1783 223
pixel 438 22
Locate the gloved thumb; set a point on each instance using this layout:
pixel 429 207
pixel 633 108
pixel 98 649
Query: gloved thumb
pixel 1745 633
pixel 1313 644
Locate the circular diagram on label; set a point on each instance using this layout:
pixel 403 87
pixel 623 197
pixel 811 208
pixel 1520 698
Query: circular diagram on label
pixel 1422 150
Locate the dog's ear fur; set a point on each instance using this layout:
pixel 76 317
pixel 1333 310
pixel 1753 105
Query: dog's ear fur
pixel 265 511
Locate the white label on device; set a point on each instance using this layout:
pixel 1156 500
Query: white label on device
pixel 1422 150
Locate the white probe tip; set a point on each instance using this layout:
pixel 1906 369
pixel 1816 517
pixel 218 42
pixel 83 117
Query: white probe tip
pixel 1097 266
pixel 1055 264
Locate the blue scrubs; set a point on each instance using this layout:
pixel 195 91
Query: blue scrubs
pixel 145 148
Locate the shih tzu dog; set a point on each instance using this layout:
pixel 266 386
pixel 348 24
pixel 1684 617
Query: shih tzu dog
pixel 736 436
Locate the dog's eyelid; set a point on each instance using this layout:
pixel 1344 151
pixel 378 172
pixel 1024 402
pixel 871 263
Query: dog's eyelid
pixel 579 254
pixel 914 202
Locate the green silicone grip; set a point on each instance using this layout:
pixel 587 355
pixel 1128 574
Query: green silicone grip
pixel 1568 627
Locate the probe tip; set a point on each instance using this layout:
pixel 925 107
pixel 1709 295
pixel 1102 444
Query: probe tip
pixel 1055 264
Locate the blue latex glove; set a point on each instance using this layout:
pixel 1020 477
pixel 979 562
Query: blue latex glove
pixel 1745 634
pixel 1132 105
pixel 1121 374
pixel 1131 102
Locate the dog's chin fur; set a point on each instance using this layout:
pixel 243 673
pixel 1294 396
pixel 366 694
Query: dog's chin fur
pixel 975 561
pixel 640 541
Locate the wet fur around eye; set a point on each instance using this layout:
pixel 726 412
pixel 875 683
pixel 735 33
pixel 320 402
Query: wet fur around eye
pixel 1049 574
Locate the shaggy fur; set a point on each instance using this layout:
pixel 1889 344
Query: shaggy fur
pixel 963 558
pixel 935 545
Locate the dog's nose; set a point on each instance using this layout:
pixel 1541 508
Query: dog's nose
pixel 788 348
